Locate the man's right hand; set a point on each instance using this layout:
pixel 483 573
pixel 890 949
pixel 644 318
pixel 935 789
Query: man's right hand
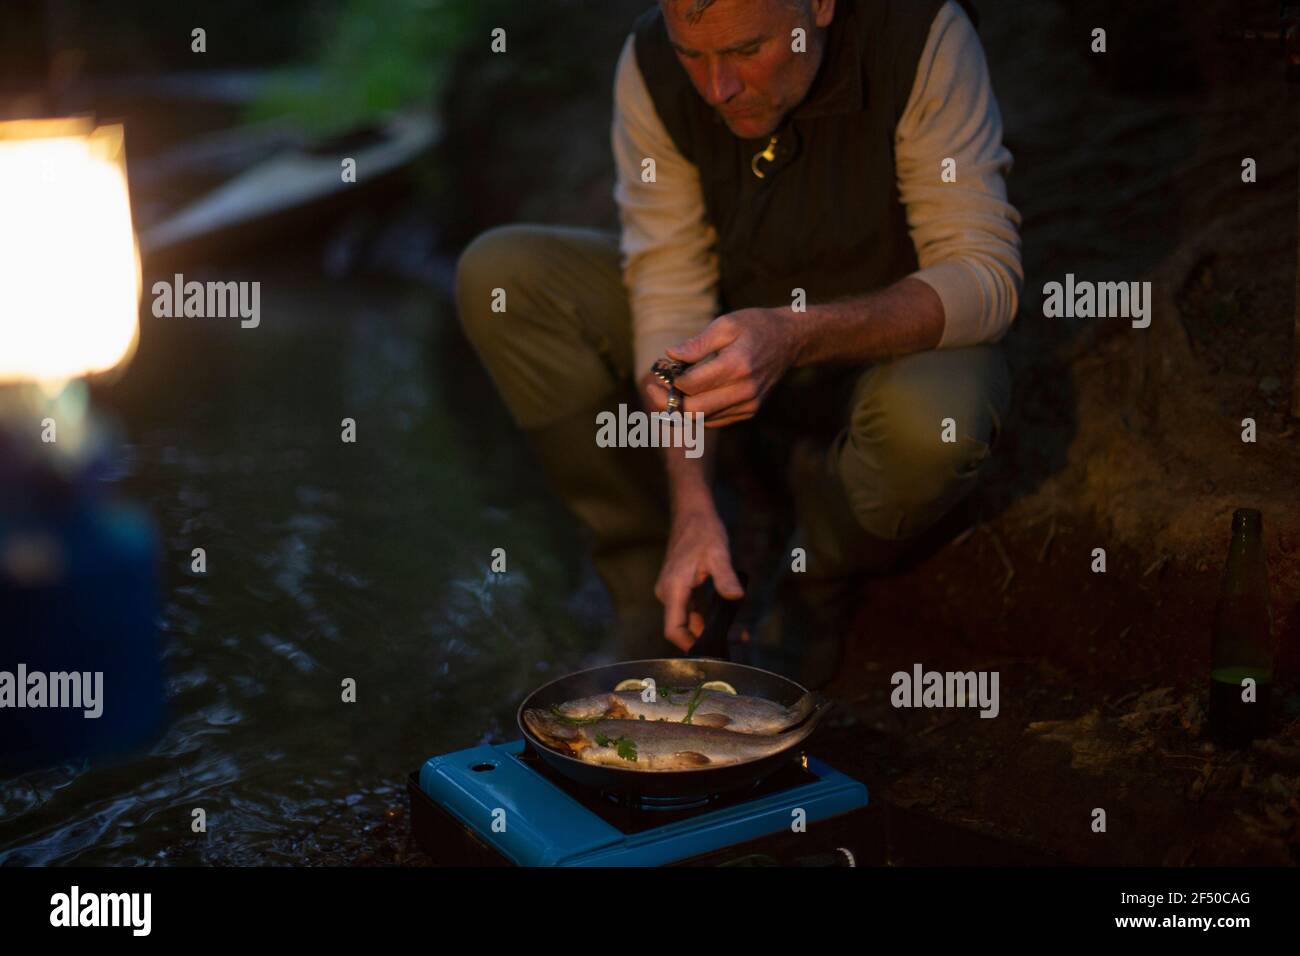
pixel 697 551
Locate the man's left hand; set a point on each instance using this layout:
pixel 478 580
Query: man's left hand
pixel 754 347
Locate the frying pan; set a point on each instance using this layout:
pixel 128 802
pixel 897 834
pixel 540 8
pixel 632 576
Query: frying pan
pixel 670 672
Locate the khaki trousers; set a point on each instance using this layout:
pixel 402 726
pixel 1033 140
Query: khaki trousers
pixel 562 352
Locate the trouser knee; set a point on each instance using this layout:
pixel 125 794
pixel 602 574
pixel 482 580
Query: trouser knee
pixel 916 487
pixel 920 432
pixel 541 307
pixel 496 263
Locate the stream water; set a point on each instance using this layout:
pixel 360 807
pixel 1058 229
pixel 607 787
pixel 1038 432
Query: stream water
pixel 326 560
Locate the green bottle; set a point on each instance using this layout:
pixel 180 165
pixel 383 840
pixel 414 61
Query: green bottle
pixel 1243 638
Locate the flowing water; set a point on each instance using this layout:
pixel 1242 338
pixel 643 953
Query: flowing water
pixel 325 560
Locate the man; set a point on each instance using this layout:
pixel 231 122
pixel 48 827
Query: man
pixel 814 217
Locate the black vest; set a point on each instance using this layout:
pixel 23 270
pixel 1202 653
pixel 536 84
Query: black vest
pixel 826 217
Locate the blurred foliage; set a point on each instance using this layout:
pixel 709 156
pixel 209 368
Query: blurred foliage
pixel 373 57
pixel 145 36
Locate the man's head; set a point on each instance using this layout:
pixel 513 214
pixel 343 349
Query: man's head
pixel 738 54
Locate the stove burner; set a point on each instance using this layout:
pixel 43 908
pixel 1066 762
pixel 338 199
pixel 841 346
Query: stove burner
pixel 636 814
pixel 629 802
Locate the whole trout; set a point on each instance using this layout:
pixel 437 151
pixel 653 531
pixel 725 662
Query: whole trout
pixel 659 745
pixel 743 715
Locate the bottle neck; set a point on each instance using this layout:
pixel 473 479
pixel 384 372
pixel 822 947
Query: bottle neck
pixel 1246 567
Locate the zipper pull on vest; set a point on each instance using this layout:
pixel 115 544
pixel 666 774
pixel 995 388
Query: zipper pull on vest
pixel 769 154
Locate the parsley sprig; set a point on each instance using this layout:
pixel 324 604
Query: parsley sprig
pixel 624 747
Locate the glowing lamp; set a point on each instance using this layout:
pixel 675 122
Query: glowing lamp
pixel 69 265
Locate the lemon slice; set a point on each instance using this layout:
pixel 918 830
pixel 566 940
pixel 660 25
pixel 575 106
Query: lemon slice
pixel 720 685
pixel 632 683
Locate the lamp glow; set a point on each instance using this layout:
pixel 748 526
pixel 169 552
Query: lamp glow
pixel 69 264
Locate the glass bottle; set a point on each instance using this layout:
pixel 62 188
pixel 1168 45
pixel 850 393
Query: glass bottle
pixel 1243 638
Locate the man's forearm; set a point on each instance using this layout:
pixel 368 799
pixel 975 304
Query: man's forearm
pixel 900 319
pixel 689 479
pixel 906 317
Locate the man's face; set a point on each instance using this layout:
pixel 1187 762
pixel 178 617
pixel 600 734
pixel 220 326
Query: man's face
pixel 739 58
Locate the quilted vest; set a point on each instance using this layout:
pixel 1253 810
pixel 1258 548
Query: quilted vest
pixel 825 215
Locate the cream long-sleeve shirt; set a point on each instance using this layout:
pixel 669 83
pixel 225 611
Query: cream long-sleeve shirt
pixel 965 232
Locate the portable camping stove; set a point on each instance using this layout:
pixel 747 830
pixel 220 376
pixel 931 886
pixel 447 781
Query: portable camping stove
pixel 500 804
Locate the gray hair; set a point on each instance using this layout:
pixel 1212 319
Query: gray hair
pixel 699 6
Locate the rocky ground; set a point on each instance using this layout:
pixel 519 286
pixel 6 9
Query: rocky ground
pixel 1128 168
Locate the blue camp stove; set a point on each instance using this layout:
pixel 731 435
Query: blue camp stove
pixel 500 804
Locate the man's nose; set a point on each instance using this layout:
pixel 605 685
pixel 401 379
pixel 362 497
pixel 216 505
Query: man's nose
pixel 722 83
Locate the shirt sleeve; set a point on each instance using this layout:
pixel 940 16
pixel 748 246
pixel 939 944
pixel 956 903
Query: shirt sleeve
pixel 965 232
pixel 669 268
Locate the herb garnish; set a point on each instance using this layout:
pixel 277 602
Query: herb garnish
pixel 695 702
pixel 624 747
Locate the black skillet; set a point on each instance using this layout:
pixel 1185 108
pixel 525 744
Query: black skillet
pixel 670 672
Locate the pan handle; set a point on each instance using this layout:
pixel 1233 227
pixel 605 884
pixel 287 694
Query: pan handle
pixel 712 641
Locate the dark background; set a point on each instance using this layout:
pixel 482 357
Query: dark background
pixel 1127 167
